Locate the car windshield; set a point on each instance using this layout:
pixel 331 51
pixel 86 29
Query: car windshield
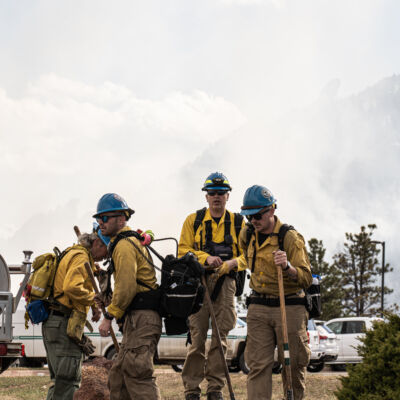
pixel 329 330
pixel 240 322
pixel 311 325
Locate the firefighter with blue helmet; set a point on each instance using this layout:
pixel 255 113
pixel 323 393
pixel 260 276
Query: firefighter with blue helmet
pixel 263 255
pixel 134 301
pixel 212 235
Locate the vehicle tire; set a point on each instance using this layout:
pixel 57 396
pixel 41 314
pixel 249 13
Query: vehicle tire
pixel 243 365
pixel 277 368
pixel 111 353
pixel 315 367
pixel 177 367
pixel 235 368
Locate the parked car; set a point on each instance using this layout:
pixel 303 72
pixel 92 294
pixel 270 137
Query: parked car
pixel 348 333
pixel 172 349
pixel 317 353
pixel 327 344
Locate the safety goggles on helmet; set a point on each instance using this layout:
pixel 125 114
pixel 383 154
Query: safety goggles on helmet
pixel 105 218
pixel 257 216
pixel 218 192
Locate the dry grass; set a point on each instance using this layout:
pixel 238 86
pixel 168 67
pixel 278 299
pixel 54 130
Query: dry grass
pixel 319 387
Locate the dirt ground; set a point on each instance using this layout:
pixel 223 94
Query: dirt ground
pixel 320 386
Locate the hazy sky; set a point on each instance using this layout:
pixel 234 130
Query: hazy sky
pixel 147 98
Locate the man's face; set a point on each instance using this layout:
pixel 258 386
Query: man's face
pixel 217 199
pixel 98 250
pixel 263 221
pixel 110 223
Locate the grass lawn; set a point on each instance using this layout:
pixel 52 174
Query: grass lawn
pixel 319 387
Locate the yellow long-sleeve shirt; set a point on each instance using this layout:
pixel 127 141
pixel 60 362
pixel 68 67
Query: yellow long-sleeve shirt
pixel 129 265
pixel 264 277
pixel 72 280
pixel 189 241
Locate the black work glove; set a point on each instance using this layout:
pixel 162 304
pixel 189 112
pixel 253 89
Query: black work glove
pixel 86 345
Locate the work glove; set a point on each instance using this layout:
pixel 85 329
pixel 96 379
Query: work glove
pixel 86 345
pixel 147 236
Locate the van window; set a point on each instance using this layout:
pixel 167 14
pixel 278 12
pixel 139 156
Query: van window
pixel 354 327
pixel 336 327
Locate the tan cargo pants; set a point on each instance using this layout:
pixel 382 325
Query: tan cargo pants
pixel 196 368
pixel 132 375
pixel 263 326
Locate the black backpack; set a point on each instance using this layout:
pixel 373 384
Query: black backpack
pixel 313 292
pixel 227 244
pixel 180 293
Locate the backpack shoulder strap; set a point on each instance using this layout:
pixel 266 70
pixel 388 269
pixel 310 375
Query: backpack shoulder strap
pixel 200 214
pixel 237 221
pixel 249 233
pixel 282 233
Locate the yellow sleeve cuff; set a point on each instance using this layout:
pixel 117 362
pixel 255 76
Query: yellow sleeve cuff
pixel 115 311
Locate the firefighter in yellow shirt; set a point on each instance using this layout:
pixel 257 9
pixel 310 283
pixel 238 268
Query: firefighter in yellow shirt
pixel 73 294
pixel 135 299
pixel 212 235
pixel 264 329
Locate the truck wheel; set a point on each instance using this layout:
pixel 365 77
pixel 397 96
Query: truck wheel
pixel 177 367
pixel 243 365
pixel 111 353
pixel 315 367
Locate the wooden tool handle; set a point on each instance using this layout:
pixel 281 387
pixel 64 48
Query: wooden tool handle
pixel 216 331
pixel 289 394
pixel 103 309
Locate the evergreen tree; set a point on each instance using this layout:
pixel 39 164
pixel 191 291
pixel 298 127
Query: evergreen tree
pixel 378 376
pixel 360 270
pixel 331 293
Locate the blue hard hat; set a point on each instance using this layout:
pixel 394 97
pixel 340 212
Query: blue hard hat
pixel 216 181
pixel 97 231
pixel 255 199
pixel 112 202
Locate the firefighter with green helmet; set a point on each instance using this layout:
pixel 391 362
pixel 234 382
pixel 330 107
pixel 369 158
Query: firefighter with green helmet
pixel 212 235
pixel 260 243
pixel 134 303
pixel 62 332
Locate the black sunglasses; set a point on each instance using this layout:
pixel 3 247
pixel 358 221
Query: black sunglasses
pixel 105 218
pixel 257 216
pixel 218 192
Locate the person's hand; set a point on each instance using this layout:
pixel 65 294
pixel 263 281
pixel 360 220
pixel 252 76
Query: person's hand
pixel 280 258
pixel 96 313
pixel 214 261
pixel 227 267
pixel 98 301
pixel 105 327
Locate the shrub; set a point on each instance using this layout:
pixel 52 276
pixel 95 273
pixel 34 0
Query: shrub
pixel 378 376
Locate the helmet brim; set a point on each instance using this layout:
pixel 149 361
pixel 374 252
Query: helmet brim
pixel 129 210
pixel 251 211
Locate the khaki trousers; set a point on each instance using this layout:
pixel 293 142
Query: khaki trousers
pixel 196 366
pixel 263 329
pixel 132 374
pixel 64 358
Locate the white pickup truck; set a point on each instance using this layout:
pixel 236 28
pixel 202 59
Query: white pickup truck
pixel 10 349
